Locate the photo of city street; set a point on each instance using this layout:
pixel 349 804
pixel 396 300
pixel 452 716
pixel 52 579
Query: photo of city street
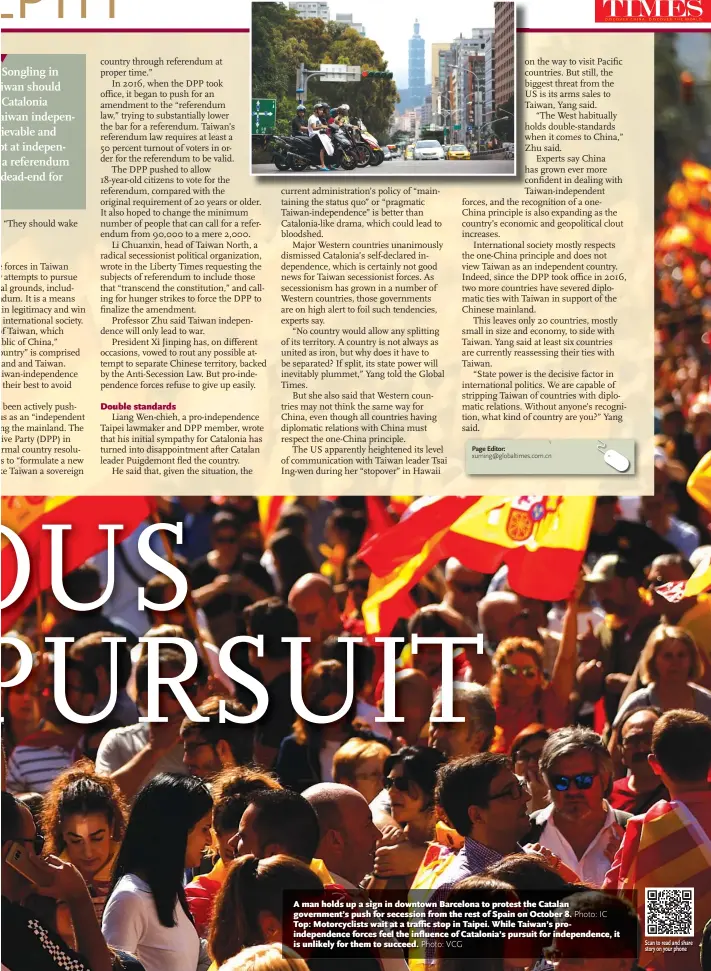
pixel 383 89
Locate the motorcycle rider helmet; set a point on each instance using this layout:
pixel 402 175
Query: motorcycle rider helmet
pixel 345 109
pixel 300 109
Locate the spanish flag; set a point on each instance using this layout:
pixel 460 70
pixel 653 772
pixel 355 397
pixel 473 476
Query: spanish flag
pixel 542 540
pixel 26 515
pixel 699 488
pixel 269 509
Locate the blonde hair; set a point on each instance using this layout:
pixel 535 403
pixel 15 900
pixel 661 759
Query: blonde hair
pixel 353 752
pixel 265 957
pixel 662 635
pixel 507 647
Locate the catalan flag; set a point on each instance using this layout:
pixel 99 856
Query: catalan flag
pixel 667 847
pixel 542 540
pixel 26 515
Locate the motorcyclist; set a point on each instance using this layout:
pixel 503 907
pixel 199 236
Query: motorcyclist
pixel 340 114
pixel 317 125
pixel 298 122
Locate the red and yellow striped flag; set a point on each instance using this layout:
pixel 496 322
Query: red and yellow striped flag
pixel 269 509
pixel 699 488
pixel 542 540
pixel 26 515
pixel 672 851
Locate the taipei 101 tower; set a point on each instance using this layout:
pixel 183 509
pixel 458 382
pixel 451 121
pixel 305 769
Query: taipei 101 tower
pixel 417 90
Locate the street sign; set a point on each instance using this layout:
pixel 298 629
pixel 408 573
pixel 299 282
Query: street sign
pixel 340 72
pixel 457 127
pixel 263 115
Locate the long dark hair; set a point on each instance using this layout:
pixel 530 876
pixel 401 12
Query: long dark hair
pixel 154 846
pixel 253 886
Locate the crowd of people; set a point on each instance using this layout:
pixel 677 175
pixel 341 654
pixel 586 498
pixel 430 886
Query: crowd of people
pixel 169 845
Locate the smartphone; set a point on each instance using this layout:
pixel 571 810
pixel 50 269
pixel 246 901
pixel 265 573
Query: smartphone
pixel 19 859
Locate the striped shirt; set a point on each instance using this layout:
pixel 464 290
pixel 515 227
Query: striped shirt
pixel 34 769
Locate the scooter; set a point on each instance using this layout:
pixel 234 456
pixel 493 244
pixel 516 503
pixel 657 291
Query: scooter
pixel 377 156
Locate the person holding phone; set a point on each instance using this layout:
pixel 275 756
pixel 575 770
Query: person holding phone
pixel 147 912
pixel 27 943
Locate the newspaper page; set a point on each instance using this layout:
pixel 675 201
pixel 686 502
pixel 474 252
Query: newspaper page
pixel 295 304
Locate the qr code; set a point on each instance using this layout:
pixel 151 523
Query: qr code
pixel 669 911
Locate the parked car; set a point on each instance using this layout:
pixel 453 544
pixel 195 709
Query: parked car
pixel 458 151
pixel 428 149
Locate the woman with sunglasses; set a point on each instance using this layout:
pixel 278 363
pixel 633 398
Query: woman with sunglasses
pixel 228 579
pixel 670 665
pixel 147 913
pixel 410 779
pixel 521 694
pixel 306 756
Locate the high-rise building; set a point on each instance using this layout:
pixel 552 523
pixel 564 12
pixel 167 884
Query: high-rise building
pixel 307 10
pixel 439 79
pixel 416 67
pixel 467 85
pixel 347 19
pixel 504 50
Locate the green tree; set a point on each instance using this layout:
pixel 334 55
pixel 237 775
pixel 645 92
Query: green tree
pixel 281 41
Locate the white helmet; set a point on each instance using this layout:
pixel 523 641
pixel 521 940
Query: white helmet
pixel 345 108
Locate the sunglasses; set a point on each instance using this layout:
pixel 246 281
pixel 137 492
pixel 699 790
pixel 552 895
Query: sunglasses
pixel 584 780
pixel 36 841
pixel 225 540
pixel 644 738
pixel 400 783
pixel 528 671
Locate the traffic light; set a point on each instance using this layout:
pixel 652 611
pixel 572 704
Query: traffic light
pixel 377 74
pixel 687 81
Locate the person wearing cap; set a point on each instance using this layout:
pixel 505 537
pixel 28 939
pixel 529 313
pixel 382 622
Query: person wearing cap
pixel 298 122
pixel 611 653
pixel 610 533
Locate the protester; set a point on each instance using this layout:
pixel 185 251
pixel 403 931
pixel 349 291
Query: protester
pixel 473 732
pixel 27 943
pixel 670 666
pixel 133 755
pixel 83 821
pixel 313 601
pixel 274 822
pixel 56 743
pixel 526 751
pixel 413 704
pixel 359 764
pixel 306 756
pixel 640 788
pixel 228 578
pixel 231 790
pixel 218 743
pixel 147 913
pixel 579 826
pixel 249 908
pixel 613 536
pixel 347 834
pixel 272 620
pixel 291 559
pixel 265 957
pixel 84 586
pixel 21 706
pixel 96 655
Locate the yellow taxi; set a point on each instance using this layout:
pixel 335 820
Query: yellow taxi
pixel 409 150
pixel 458 151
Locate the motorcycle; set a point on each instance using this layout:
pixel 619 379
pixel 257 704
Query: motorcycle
pixel 300 152
pixel 356 146
pixel 377 156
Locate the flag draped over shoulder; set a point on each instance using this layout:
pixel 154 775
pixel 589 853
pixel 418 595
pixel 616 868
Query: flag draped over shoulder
pixel 542 540
pixel 672 851
pixel 26 515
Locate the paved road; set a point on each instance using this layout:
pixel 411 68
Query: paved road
pixel 400 167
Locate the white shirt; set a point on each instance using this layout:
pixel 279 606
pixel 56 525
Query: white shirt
pixel 130 923
pixel 119 745
pixel 313 124
pixel 597 858
pixel 328 750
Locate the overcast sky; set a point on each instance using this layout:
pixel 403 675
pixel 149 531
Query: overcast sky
pixel 389 22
